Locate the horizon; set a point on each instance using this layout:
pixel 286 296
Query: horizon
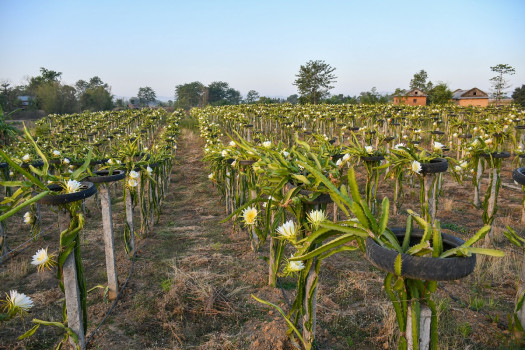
pixel 260 46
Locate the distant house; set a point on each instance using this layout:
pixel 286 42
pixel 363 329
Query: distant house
pixel 472 97
pixel 24 101
pixel 414 97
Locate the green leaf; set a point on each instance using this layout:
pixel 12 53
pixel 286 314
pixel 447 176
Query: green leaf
pixel 479 235
pixel 301 178
pixel 408 233
pixel 487 251
pixel 45 168
pixel 23 205
pixel 75 175
pixel 385 208
pixel 398 265
pixel 29 332
pixel 23 172
pixel 358 231
pixel 325 247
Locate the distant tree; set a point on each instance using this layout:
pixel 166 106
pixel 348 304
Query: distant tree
pixel 96 99
pixel 269 100
pixel 94 95
pixel 439 94
pixel 293 99
pixel 233 97
pixel 341 99
pixel 146 95
pixel 57 98
pixel 220 93
pixel 217 92
pixel 499 82
pixel 191 95
pixel 419 81
pixel 400 92
pixel 373 97
pixel 314 81
pixel 519 95
pixel 119 102
pixel 252 96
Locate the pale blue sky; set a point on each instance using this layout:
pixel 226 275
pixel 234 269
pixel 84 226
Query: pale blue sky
pixel 261 44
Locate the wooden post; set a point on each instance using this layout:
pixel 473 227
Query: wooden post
pixel 491 206
pixel 425 318
pixel 129 220
pixel 477 200
pixel 71 288
pixel 107 224
pixel 254 239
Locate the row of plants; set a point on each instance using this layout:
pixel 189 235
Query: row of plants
pixel 134 150
pixel 277 179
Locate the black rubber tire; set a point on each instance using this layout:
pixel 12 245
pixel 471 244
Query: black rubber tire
pixel 35 164
pixel 103 176
pixel 519 175
pixel 372 158
pixel 520 127
pixel 437 165
pixel 437 132
pixel 246 162
pixel 3 165
pixel 353 128
pixel 59 199
pixel 389 138
pixel 337 156
pixel 497 155
pixel 421 268
pixel 465 136
pixel 323 198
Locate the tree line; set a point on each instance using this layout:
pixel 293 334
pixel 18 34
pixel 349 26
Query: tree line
pixel 48 93
pixel 313 81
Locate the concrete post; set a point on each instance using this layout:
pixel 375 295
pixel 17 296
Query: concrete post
pixel 109 244
pixel 129 220
pixel 425 318
pixel 71 288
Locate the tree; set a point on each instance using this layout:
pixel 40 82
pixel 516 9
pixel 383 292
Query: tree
pixel 293 99
pixel 252 96
pixel 499 83
pixel 519 95
pixel 146 95
pixel 191 95
pixel 314 81
pixel 341 99
pixel 220 93
pixel 94 95
pixel 373 97
pixel 233 97
pixel 439 94
pixel 96 99
pixel 419 81
pixel 57 98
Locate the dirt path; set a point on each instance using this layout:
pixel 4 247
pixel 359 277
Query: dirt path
pixel 193 276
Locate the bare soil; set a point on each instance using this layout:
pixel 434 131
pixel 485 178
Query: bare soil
pixel 193 279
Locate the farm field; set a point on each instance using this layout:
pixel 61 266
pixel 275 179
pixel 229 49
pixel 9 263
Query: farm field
pixel 194 272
